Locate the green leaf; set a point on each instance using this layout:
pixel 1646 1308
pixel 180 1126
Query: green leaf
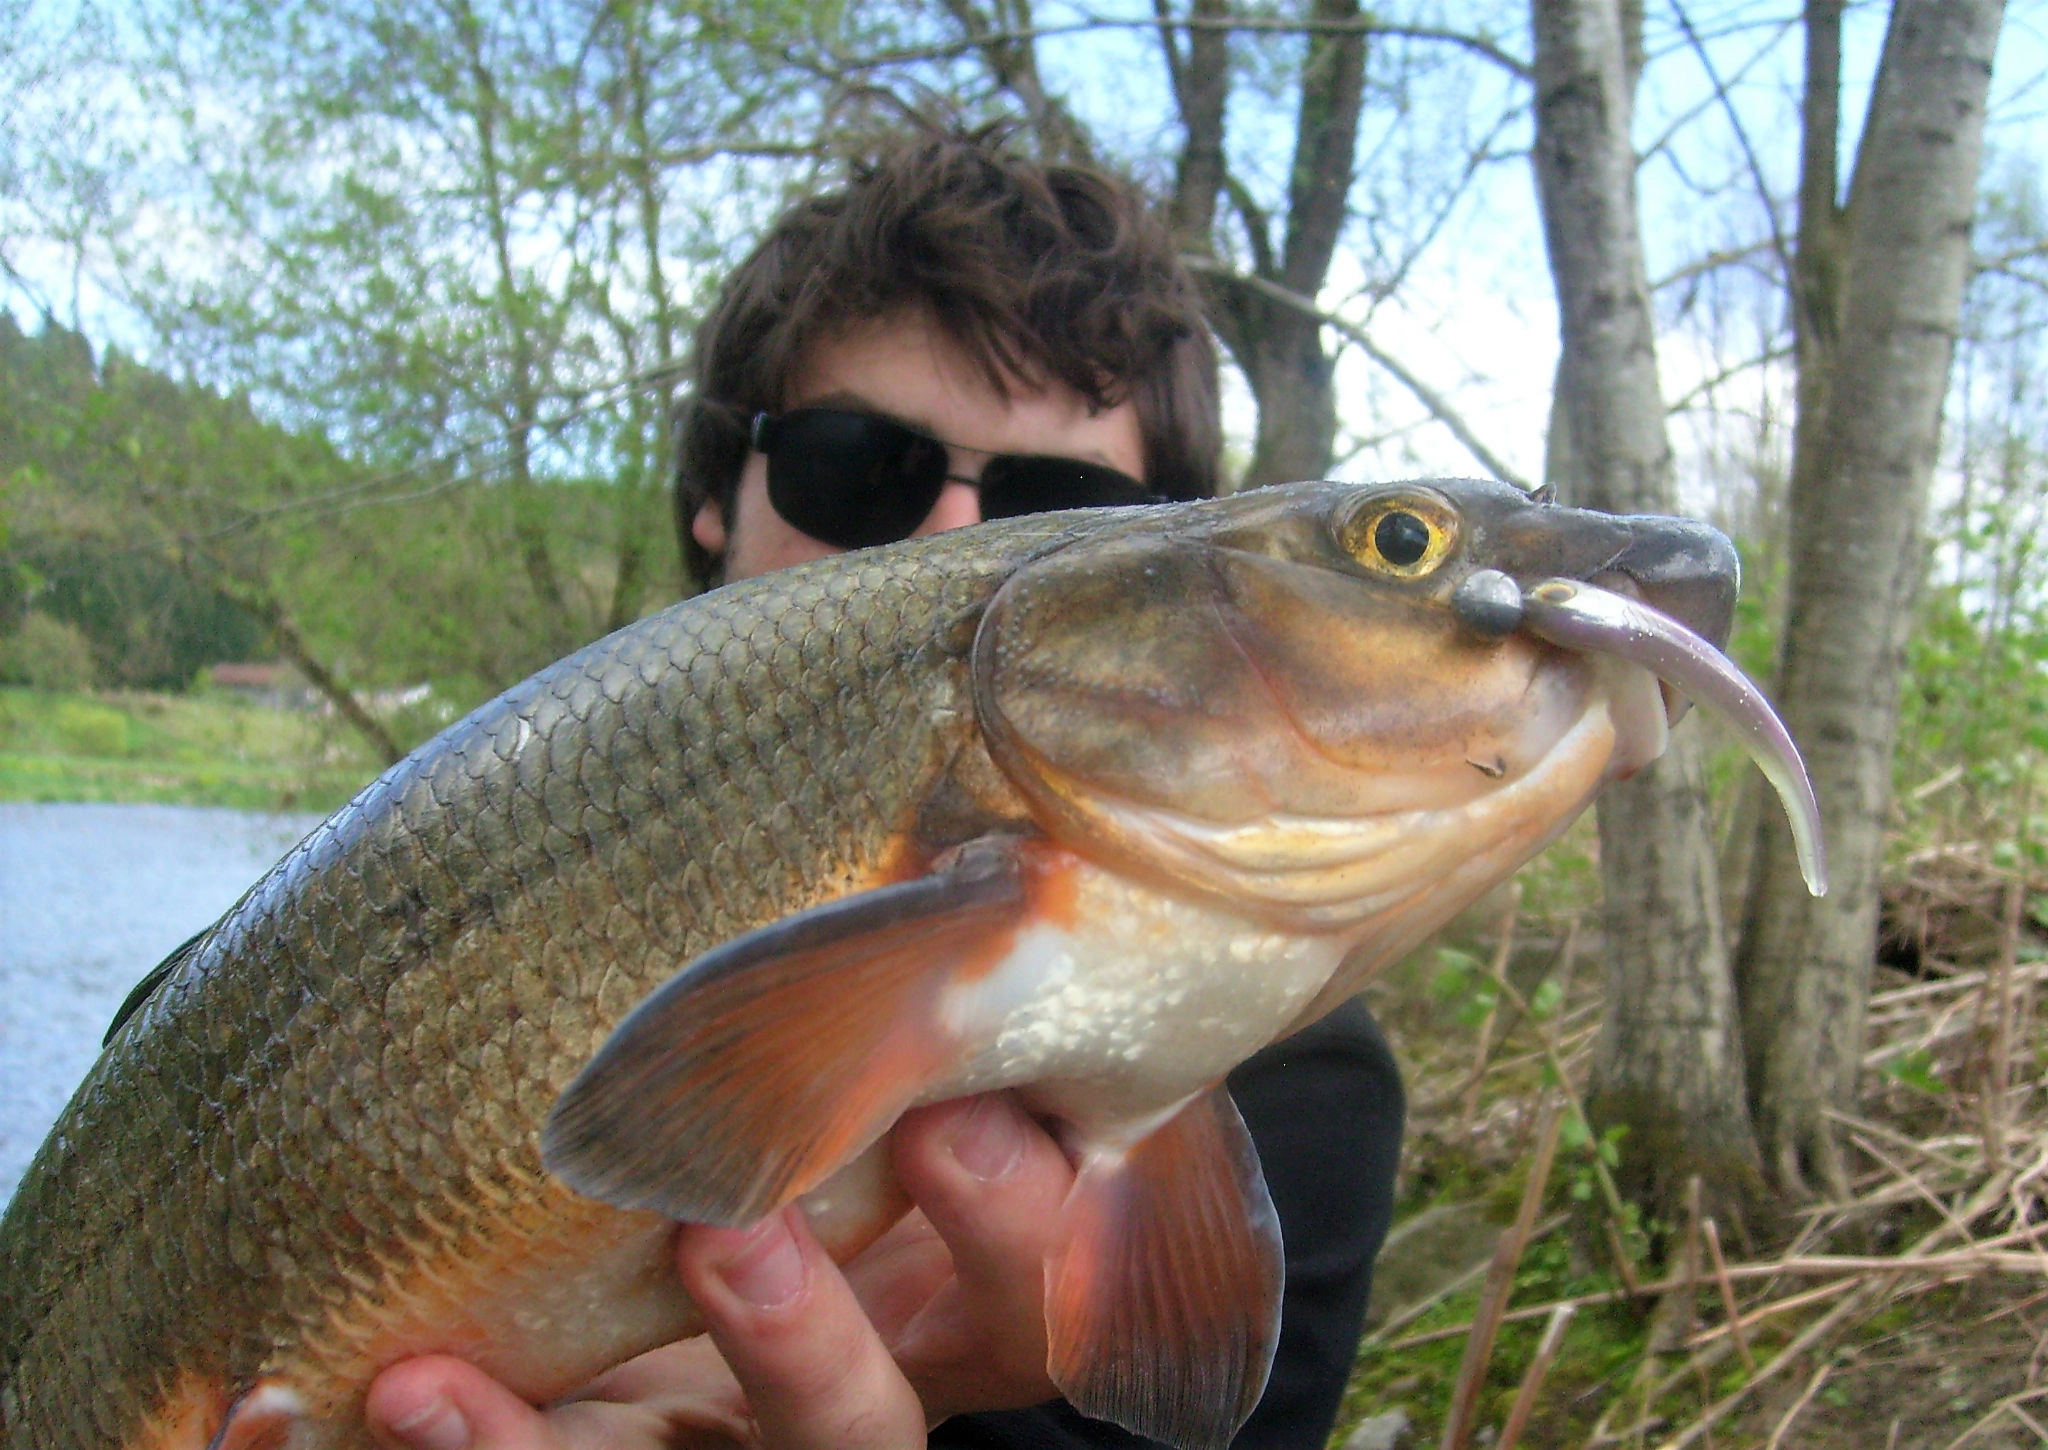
pixel 1915 1069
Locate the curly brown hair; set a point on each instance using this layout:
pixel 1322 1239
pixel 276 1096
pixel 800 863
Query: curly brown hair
pixel 1039 273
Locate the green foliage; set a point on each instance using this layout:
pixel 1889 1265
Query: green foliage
pixel 1565 880
pixel 1978 699
pixel 85 451
pixel 48 653
pixel 148 625
pixel 1463 987
pixel 1601 1348
pixel 1915 1069
pixel 164 523
pixel 1976 703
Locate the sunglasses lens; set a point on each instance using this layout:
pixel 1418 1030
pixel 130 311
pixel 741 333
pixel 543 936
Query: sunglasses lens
pixel 1014 486
pixel 852 479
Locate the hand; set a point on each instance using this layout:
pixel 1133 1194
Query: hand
pixel 943 1314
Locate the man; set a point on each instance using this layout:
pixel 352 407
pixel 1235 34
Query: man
pixel 956 334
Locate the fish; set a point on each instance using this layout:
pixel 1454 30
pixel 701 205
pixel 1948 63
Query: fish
pixel 1085 806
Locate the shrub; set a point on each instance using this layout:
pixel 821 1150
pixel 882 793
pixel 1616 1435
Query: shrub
pixel 49 654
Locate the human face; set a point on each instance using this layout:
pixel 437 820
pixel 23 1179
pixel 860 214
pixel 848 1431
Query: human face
pixel 905 367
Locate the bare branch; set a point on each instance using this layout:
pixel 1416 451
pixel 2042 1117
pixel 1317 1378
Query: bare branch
pixel 1201 83
pixel 1727 374
pixel 1713 98
pixel 2004 262
pixel 1479 156
pixel 1365 25
pixel 1711 262
pixel 1325 149
pixel 1175 65
pixel 1779 243
pixel 1258 227
pixel 1439 407
pixel 739 150
pixel 1011 55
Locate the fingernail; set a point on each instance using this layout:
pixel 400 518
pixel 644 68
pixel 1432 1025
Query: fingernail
pixel 765 1269
pixel 438 1426
pixel 990 1140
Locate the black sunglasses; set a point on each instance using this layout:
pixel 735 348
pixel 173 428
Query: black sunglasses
pixel 853 479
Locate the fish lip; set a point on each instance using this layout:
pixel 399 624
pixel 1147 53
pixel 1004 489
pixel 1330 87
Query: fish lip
pixel 1685 570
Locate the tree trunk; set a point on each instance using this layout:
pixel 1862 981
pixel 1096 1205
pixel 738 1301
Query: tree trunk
pixel 1280 347
pixel 639 481
pixel 1201 88
pixel 1863 457
pixel 1668 1064
pixel 520 414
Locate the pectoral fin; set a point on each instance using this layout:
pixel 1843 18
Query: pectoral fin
pixel 266 1418
pixel 1162 1301
pixel 762 1066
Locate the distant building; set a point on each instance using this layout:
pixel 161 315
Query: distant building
pixel 278 686
pixel 273 684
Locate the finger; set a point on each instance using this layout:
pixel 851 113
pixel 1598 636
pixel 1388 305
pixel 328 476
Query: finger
pixel 815 1372
pixel 896 1275
pixel 992 1182
pixel 439 1403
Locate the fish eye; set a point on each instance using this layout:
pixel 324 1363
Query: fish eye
pixel 1401 538
pixel 1404 537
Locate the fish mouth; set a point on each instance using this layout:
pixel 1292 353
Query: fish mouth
pixel 1613 622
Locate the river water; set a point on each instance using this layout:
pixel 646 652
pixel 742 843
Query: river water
pixel 92 897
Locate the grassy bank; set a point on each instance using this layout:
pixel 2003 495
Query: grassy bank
pixel 201 749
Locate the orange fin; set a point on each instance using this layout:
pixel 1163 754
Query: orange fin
pixel 262 1419
pixel 762 1066
pixel 1162 1298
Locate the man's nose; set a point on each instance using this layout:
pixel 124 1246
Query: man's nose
pixel 959 505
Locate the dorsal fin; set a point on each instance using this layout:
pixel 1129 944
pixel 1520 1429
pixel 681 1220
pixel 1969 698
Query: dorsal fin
pixel 146 988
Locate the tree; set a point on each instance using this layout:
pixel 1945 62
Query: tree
pixel 1668 1064
pixel 1266 252
pixel 1279 347
pixel 466 230
pixel 1878 286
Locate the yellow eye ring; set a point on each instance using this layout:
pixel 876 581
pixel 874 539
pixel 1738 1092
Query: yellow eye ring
pixel 1404 537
